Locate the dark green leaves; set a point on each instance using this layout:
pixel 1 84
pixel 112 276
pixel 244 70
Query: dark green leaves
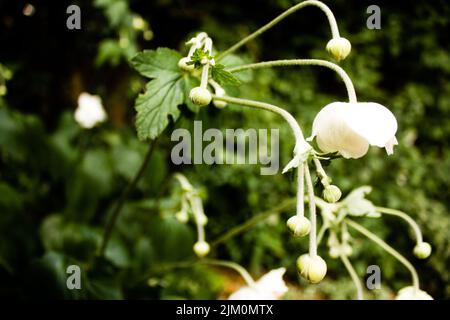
pixel 163 94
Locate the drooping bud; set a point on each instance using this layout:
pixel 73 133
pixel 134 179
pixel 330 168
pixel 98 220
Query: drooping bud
pixel 313 269
pixel 202 219
pixel 182 63
pixel 299 226
pixel 220 92
pixel 332 193
pixel 422 250
pixel 182 216
pixel 200 96
pixel 201 248
pixel 339 48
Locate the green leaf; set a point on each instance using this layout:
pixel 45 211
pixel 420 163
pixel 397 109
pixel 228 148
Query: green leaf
pixel 224 77
pixel 163 94
pixel 161 100
pixel 157 63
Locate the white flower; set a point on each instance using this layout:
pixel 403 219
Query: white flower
pixel 349 128
pixel 90 111
pixel 410 293
pixel 270 286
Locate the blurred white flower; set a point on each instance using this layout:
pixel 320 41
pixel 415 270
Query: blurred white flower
pixel 410 293
pixel 349 128
pixel 90 111
pixel 270 286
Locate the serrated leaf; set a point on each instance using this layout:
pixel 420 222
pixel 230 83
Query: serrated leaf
pixel 223 77
pixel 169 88
pixel 153 64
pixel 162 97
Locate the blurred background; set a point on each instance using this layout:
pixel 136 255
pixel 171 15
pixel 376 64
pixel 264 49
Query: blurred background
pixel 59 181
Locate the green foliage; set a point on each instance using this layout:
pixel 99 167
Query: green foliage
pixel 58 182
pixel 163 94
pixel 222 76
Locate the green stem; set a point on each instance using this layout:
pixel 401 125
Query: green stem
pixel 405 217
pixel 300 142
pixel 120 202
pixel 304 62
pixel 289 203
pixel 312 214
pixel 387 248
pixel 354 276
pixel 232 265
pixel 321 233
pixel 322 6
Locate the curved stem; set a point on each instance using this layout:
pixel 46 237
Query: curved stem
pixel 321 172
pixel 304 62
pixel 405 217
pixel 321 233
pixel 322 6
pixel 119 204
pixel 312 214
pixel 232 265
pixel 354 276
pixel 387 248
pixel 300 142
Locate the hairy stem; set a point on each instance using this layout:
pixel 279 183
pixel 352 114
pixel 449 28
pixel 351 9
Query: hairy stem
pixel 300 142
pixel 322 6
pixel 387 248
pixel 312 213
pixel 120 202
pixel 301 190
pixel 304 62
pixel 354 276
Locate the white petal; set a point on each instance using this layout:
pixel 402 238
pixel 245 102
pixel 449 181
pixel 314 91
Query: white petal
pixel 372 121
pixel 334 135
pixel 390 146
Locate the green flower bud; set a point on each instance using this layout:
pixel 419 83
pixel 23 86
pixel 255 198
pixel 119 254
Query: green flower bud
pixel 346 250
pixel 201 248
pixel 299 226
pixel 200 96
pixel 332 193
pixel 422 250
pixel 312 269
pixel 202 219
pixel 182 216
pixel 334 252
pixel 182 63
pixel 220 92
pixel 339 48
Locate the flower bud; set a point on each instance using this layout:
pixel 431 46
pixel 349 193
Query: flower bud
pixel 182 216
pixel 220 92
pixel 332 193
pixel 339 48
pixel 201 248
pixel 202 219
pixel 299 226
pixel 422 250
pixel 346 250
pixel 200 96
pixel 313 269
pixel 182 63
